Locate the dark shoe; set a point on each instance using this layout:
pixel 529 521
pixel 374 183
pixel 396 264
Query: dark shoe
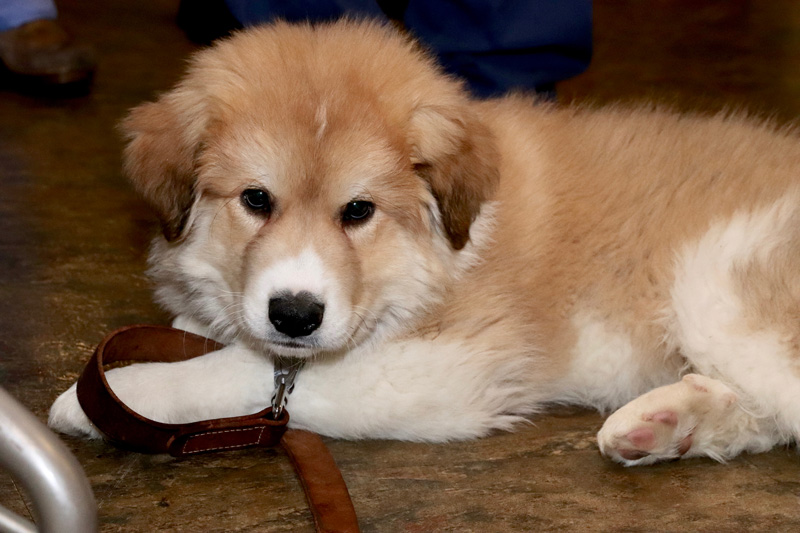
pixel 41 54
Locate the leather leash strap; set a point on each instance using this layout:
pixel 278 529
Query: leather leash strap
pixel 322 482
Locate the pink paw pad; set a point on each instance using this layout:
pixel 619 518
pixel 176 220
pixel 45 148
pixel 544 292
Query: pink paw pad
pixel 685 445
pixel 665 417
pixel 642 438
pixel 632 455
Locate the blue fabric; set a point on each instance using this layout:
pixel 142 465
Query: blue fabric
pixel 497 45
pixel 504 45
pixel 14 13
pixel 252 12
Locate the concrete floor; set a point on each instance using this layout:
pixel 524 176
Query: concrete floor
pixel 73 240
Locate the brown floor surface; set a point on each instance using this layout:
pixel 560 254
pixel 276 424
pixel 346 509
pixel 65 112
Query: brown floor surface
pixel 72 250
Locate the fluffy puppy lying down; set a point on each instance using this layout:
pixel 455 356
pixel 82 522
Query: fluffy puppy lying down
pixel 449 267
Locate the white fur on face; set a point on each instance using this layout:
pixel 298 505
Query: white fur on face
pixel 202 279
pixel 305 272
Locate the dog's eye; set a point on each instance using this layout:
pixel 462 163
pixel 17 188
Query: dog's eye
pixel 357 211
pixel 257 200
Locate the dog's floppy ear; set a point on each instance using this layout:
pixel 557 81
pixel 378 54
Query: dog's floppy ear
pixel 456 154
pixel 163 141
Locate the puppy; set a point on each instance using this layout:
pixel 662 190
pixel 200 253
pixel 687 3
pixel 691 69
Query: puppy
pixel 448 267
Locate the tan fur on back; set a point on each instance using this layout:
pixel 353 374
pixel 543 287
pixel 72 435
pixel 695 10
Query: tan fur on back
pixel 596 204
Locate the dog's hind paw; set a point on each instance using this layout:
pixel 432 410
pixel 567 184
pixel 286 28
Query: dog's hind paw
pixel 669 422
pixel 66 416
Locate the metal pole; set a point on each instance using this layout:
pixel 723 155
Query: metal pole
pixel 62 498
pixel 13 523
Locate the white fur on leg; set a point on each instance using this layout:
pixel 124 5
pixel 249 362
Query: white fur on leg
pixel 423 390
pixel 66 416
pixel 698 416
pixel 233 381
pixel 431 390
pixel 710 321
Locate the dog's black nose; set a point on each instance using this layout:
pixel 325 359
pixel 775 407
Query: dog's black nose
pixel 295 315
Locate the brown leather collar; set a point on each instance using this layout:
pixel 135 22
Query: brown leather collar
pixel 322 482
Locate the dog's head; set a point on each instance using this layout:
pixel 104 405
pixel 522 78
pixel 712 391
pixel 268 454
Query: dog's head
pixel 314 184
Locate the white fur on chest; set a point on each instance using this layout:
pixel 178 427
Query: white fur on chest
pixel 605 369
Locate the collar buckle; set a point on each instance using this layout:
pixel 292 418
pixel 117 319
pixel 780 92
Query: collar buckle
pixel 286 369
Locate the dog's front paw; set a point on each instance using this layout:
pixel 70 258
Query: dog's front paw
pixel 67 416
pixel 687 418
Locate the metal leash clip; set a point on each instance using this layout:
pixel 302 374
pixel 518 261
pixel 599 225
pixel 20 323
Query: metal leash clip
pixel 286 369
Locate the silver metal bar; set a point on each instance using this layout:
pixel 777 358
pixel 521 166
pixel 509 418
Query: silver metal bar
pixel 13 523
pixel 62 498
